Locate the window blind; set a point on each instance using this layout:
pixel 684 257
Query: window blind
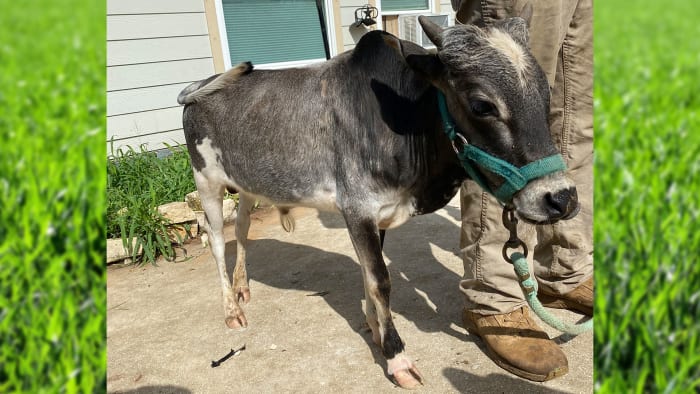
pixel 404 5
pixel 272 31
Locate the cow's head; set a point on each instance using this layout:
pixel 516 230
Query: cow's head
pixel 498 97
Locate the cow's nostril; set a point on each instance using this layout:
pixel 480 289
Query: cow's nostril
pixel 562 202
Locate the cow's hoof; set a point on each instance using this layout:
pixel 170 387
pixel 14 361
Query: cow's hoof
pixel 237 322
pixel 408 378
pixel 242 294
pixel 404 372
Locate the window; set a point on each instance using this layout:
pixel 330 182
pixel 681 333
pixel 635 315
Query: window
pixel 389 6
pixel 273 31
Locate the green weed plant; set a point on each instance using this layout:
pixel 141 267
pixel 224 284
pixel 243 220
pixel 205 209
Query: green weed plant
pixel 137 183
pixel 647 99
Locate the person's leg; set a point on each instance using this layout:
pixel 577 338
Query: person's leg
pixel 564 252
pixel 489 284
pixel 494 305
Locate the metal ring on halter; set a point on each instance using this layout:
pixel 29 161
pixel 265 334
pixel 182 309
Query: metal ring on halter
pixel 464 142
pixel 508 245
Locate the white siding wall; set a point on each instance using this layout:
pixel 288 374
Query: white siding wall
pixel 154 49
pixel 351 35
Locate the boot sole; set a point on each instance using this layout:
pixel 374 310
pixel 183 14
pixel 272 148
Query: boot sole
pixel 472 329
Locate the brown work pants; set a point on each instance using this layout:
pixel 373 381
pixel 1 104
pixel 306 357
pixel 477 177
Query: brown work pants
pixel 561 255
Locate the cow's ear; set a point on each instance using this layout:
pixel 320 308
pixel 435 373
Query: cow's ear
pixel 433 31
pixel 517 27
pixel 526 14
pixel 421 60
pixel 428 65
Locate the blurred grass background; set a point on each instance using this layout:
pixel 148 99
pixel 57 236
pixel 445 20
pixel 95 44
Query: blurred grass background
pixel 52 196
pixel 647 173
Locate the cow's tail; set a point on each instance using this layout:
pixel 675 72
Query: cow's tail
pixel 200 89
pixel 286 220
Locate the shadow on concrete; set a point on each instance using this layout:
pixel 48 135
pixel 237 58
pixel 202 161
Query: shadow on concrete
pixel 155 390
pixel 464 382
pixel 454 212
pixel 335 220
pixel 318 273
pixel 331 220
pixel 564 338
pixel 424 291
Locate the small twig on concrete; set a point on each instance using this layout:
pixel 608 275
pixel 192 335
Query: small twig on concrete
pixel 117 306
pixel 230 354
pixel 320 294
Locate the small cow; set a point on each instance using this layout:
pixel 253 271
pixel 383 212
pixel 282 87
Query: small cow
pixel 362 135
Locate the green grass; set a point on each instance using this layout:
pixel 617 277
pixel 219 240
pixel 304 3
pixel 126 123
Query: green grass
pixel 647 98
pixel 52 196
pixel 137 183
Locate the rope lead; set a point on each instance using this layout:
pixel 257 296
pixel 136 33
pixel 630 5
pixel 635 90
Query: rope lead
pixel 529 286
pixel 527 282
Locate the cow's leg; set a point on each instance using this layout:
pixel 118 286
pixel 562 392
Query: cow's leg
pixel 212 195
pixel 371 313
pixel 364 234
pixel 240 277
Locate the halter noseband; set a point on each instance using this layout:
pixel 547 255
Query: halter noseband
pixel 514 178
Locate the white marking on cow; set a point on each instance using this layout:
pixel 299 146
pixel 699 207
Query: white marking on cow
pixel 400 361
pixel 213 169
pixel 504 43
pixel 323 199
pixel 395 209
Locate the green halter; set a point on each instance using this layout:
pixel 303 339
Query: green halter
pixel 514 178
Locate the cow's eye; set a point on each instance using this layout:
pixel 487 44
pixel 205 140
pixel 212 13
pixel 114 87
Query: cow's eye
pixel 483 108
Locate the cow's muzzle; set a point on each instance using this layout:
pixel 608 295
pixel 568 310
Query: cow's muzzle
pixel 562 204
pixel 547 200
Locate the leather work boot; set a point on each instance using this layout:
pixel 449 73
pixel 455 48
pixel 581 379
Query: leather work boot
pixel 517 344
pixel 579 299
